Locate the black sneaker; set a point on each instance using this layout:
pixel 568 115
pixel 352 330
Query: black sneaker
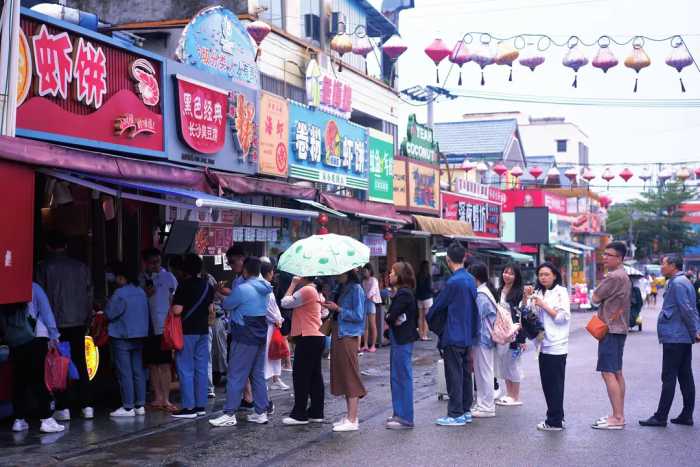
pixel 271 408
pixel 245 405
pixel 185 413
pixel 200 411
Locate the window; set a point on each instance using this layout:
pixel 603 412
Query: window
pixel 273 13
pixel 561 145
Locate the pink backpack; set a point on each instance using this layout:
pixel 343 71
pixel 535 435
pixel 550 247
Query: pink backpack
pixel 504 330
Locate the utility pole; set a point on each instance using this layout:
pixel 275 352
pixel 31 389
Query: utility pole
pixel 9 63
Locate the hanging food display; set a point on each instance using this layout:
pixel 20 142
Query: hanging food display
pixel 574 58
pixel 638 59
pixel 506 55
pixel 258 30
pixel 437 51
pixel 679 58
pixel 459 56
pixel 342 45
pixel 604 59
pixel 363 47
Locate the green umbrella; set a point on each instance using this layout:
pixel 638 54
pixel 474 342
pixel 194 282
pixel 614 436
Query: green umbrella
pixel 323 255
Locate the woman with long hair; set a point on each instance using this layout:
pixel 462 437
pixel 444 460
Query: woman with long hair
pixel 509 355
pixel 424 296
pixel 550 300
pixel 370 284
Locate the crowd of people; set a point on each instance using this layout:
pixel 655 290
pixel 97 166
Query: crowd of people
pixel 228 328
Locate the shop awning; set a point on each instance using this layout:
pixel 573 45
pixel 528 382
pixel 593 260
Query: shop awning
pixel 191 199
pixel 378 212
pixel 447 228
pixel 243 185
pixel 567 249
pixel 576 245
pixel 321 207
pixel 519 257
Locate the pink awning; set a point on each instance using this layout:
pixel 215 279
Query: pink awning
pixel 243 185
pixel 365 209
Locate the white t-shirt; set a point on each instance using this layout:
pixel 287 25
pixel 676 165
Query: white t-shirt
pixel 556 330
pixel 165 285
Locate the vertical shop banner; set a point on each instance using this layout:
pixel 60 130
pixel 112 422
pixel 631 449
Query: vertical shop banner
pixel 274 135
pixel 327 149
pixel 484 216
pixel 400 183
pixel 381 167
pixel 202 115
pixel 423 188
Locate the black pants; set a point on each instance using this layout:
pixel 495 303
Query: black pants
pixel 552 373
pixel 28 387
pixel 78 393
pixel 458 379
pixel 307 377
pixel 677 364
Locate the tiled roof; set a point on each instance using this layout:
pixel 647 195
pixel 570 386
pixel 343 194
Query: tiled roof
pixel 475 137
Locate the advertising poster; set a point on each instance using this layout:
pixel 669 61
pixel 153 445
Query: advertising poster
pixel 274 135
pixel 381 167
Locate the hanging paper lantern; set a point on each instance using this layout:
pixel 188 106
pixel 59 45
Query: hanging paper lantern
pixel 484 55
pixel 362 48
pixel 571 174
pixel 536 172
pixel 645 176
pixel 575 59
pixel 516 171
pixel 459 56
pixel 604 201
pixel 588 175
pixel 500 169
pixel 532 60
pixel 683 174
pixel 637 60
pixel 437 51
pixel 342 45
pixel 664 175
pixel 394 47
pixel 626 174
pixel 323 218
pixel 697 172
pixel 553 175
pixel 468 165
pixel 608 175
pixel 604 59
pixel 506 55
pixel 679 59
pixel 482 168
pixel 258 30
pixel 388 236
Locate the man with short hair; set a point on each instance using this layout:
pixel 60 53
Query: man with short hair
pixel 455 306
pixel 613 297
pixel 678 327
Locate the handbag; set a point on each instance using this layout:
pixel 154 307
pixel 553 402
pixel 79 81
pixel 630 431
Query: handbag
pixel 99 330
pixel 598 328
pixel 56 371
pixel 278 349
pixel 173 338
pixel 326 327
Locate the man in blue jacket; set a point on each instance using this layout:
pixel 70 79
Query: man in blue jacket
pixel 247 306
pixel 678 328
pixel 456 304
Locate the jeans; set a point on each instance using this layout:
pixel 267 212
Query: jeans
pixel 78 394
pixel 552 375
pixel 677 364
pixel 191 364
pixel 401 380
pixel 458 379
pixel 127 355
pixel 28 384
pixel 483 372
pixel 307 378
pixel 210 373
pixel 246 361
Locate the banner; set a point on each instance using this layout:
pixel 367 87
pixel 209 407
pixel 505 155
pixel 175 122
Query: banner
pixel 274 135
pixel 423 188
pixel 203 111
pixel 484 216
pixel 376 244
pixel 381 167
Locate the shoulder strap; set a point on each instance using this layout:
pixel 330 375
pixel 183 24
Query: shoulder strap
pixel 199 302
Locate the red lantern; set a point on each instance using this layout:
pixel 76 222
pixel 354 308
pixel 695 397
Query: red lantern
pixel 388 236
pixel 536 172
pixel 697 172
pixel 571 174
pixel 608 175
pixel 604 201
pixel 322 230
pixel 437 51
pixel 500 169
pixel 258 30
pixel 459 56
pixel 323 219
pixel 588 175
pixel 394 47
pixel 626 174
pixel 516 171
pixel 342 44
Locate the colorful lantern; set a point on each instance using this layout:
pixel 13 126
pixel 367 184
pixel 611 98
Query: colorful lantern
pixel 679 58
pixel 437 51
pixel 500 169
pixel 342 45
pixel 484 56
pixel 258 30
pixel 482 168
pixel 604 59
pixel 575 59
pixel 604 201
pixel 362 48
pixel 645 176
pixel 553 175
pixel 323 230
pixel 683 174
pixel 608 176
pixel 571 174
pixel 516 171
pixel 665 174
pixel 506 55
pixel 467 165
pixel 588 175
pixel 626 174
pixel 459 56
pixel 323 219
pixel 638 59
pixel 394 47
pixel 536 172
pixel 697 172
pixel 532 60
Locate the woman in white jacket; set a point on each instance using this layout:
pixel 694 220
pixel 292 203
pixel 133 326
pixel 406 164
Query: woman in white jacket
pixel 273 368
pixel 550 300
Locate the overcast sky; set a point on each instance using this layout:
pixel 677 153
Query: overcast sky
pixel 617 135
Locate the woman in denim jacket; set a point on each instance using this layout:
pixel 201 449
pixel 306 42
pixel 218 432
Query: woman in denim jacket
pixel 348 316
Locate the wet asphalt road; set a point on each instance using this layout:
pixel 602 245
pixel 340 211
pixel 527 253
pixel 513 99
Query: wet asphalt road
pixel 508 439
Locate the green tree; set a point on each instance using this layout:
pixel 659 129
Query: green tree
pixel 654 223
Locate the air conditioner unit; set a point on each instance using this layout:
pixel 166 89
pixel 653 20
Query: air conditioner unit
pixel 338 23
pixel 312 27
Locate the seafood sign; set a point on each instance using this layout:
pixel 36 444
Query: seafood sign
pixel 144 75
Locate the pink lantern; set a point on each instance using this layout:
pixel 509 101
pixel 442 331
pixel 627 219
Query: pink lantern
pixel 638 59
pixel 571 174
pixel 536 172
pixel 500 169
pixel 604 201
pixel 362 48
pixel 679 59
pixel 437 51
pixel 482 168
pixel 506 55
pixel 553 176
pixel 604 59
pixel 588 175
pixel 626 174
pixel 468 165
pixel 484 56
pixel 516 171
pixel 575 59
pixel 459 56
pixel 394 47
pixel 258 30
pixel 697 172
pixel 608 175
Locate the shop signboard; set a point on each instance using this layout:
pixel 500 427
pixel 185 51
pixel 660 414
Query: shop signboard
pixel 376 244
pixel 82 88
pixel 400 184
pixel 202 115
pixel 381 167
pixel 274 135
pixel 419 143
pixel 325 90
pixel 216 42
pixel 423 188
pixel 327 149
pixel 535 198
pixel 484 216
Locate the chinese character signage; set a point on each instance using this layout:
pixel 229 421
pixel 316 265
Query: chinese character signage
pixel 419 143
pixel 534 198
pixel 381 167
pixel 216 42
pixel 400 194
pixel 376 244
pixel 484 216
pixel 82 88
pixel 274 135
pixel 423 188
pixel 327 149
pixel 336 96
pixel 202 111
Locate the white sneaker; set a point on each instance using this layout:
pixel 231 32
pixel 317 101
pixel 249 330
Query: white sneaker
pixel 316 420
pixel 88 413
pixel 294 421
pixel 140 410
pixel 224 420
pixel 62 415
pixel 340 422
pixel 49 425
pixel 122 412
pixel 258 418
pixel 482 414
pixel 347 426
pixel 20 425
pixel 279 384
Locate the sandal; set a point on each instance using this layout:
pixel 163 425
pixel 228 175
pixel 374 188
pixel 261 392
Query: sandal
pixel 606 426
